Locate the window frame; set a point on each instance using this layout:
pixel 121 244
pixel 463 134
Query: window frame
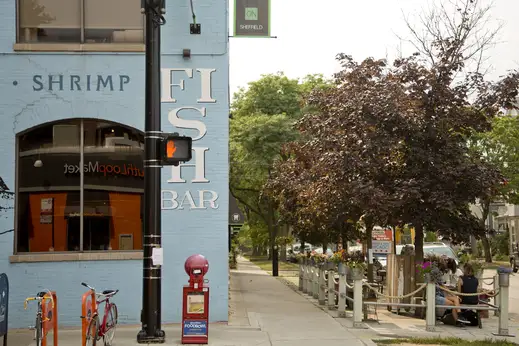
pixel 66 256
pixel 75 46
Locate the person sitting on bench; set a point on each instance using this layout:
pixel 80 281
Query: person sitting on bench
pixel 449 300
pixel 468 283
pixel 453 273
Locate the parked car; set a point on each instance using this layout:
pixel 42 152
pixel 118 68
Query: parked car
pixel 319 250
pixel 291 256
pixel 296 248
pixel 434 248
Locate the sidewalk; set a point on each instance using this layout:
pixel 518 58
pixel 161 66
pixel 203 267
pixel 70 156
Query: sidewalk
pixel 391 325
pixel 286 317
pixel 263 311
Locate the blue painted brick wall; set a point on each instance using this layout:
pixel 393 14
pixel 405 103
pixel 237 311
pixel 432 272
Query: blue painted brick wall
pixel 185 232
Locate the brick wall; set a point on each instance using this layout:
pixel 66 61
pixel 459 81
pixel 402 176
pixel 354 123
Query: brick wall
pixel 185 231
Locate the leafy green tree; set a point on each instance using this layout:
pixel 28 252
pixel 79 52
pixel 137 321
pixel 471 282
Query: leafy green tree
pixel 391 141
pixel 500 148
pixel 262 121
pixel 255 143
pixel 271 94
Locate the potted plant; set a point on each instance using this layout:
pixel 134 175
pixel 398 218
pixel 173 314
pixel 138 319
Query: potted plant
pixel 357 265
pixel 424 270
pixel 336 258
pixel 329 264
pixel 301 258
pixel 430 271
pixel 318 259
pixel 439 261
pixel 339 259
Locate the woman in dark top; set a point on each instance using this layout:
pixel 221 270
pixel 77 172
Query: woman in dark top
pixel 468 283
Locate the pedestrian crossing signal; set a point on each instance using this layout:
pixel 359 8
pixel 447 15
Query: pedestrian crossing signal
pixel 170 149
pixel 176 149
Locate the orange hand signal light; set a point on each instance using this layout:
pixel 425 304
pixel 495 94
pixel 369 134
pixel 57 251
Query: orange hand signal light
pixel 176 149
pixel 170 149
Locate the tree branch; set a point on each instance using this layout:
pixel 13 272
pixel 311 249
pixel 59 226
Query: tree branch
pixel 248 205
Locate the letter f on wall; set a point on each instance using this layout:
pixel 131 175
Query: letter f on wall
pixel 170 149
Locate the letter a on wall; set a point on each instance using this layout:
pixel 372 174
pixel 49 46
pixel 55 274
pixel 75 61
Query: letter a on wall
pixel 252 18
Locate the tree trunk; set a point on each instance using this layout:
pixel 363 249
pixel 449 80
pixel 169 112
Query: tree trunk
pixel 474 246
pixel 369 246
pixel 273 234
pixel 486 249
pixel 283 250
pixel 484 240
pixel 418 243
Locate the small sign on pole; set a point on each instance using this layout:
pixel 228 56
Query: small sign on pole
pixel 252 18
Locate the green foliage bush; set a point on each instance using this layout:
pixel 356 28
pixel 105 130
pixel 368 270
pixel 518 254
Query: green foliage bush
pixel 233 254
pixel 499 244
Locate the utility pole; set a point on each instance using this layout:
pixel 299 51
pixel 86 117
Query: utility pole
pixel 275 261
pixel 151 331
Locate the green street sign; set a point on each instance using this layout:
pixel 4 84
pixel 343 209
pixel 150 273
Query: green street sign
pixel 252 18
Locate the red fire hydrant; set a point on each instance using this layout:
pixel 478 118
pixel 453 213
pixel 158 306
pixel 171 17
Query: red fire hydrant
pixel 195 305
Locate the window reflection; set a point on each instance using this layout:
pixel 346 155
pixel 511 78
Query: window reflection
pixel 49 199
pixel 59 21
pixel 49 20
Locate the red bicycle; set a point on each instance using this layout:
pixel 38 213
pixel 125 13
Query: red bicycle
pixel 106 329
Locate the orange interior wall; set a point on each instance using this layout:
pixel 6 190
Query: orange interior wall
pixel 41 234
pixel 126 218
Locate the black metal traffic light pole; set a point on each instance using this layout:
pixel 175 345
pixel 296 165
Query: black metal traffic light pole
pixel 151 294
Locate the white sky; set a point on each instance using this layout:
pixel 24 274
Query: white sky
pixel 310 33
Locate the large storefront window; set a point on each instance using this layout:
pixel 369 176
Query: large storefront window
pixel 60 208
